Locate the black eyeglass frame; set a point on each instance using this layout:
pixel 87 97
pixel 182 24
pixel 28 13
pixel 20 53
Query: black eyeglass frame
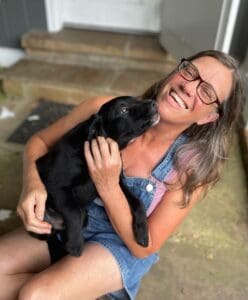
pixel 201 81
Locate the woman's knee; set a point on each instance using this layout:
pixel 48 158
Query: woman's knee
pixel 6 261
pixel 20 253
pixel 35 290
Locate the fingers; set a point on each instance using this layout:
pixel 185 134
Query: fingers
pixel 88 155
pixel 96 152
pixel 101 150
pixel 113 148
pixel 39 211
pixel 103 159
pixel 28 213
pixel 103 147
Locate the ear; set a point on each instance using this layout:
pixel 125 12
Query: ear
pixel 95 127
pixel 213 116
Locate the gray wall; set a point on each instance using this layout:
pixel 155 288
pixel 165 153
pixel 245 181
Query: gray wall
pixel 18 17
pixel 189 26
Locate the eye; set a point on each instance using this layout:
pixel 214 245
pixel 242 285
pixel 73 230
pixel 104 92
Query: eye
pixel 190 72
pixel 123 110
pixel 207 91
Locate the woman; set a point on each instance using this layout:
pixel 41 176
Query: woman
pixel 168 167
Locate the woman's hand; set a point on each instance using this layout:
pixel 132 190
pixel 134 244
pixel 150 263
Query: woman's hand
pixel 104 162
pixel 31 207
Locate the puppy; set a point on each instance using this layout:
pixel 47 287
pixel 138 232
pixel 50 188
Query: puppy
pixel 64 171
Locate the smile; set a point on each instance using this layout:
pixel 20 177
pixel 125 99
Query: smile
pixel 179 101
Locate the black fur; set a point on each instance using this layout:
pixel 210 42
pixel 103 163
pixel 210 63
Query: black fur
pixel 64 172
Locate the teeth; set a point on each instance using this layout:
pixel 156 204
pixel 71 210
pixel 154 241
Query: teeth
pixel 178 100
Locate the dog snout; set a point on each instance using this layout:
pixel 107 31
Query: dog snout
pixel 152 104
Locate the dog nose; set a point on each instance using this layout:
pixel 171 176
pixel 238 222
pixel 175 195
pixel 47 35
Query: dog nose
pixel 154 104
pixel 151 105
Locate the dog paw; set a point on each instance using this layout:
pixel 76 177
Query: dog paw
pixel 141 234
pixel 74 250
pixel 143 241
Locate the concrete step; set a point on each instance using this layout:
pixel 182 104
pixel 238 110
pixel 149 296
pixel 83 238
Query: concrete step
pixel 73 83
pixel 87 47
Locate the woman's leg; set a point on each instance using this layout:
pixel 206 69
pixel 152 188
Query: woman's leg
pixel 20 257
pixel 93 274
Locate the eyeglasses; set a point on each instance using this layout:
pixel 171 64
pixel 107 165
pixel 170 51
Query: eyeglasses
pixel 204 90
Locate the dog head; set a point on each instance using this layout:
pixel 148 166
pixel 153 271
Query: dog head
pixel 124 118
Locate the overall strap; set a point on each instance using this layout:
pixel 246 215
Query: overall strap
pixel 166 163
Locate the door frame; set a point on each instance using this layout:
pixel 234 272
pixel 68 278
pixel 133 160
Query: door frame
pixel 228 17
pixel 54 14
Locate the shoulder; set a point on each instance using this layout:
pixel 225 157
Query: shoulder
pixel 95 102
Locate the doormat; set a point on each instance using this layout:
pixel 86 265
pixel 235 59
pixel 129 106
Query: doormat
pixel 44 114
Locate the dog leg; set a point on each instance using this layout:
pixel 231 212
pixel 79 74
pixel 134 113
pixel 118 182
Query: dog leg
pixel 74 241
pixel 73 218
pixel 85 193
pixel 140 226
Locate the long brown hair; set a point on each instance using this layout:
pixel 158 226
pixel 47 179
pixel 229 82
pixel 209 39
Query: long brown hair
pixel 201 158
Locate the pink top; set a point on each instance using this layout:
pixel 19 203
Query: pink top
pixel 160 190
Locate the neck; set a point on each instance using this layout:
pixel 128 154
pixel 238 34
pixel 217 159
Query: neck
pixel 164 132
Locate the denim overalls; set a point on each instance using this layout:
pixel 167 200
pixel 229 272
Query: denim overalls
pixel 100 230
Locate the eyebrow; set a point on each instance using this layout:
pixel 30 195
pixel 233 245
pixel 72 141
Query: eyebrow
pixel 206 81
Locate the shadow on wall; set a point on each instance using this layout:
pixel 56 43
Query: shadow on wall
pixel 239 44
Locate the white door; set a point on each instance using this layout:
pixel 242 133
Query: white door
pixel 115 15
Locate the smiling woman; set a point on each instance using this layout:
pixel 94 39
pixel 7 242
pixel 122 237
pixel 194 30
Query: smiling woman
pixel 167 167
pixel 207 147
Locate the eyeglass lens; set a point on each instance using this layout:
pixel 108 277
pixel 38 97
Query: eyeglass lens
pixel 190 73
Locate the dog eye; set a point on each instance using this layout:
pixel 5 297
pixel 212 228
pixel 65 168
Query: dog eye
pixel 123 110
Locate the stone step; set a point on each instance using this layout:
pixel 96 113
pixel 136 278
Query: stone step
pixel 87 47
pixel 73 83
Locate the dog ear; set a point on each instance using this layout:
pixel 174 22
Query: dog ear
pixel 96 127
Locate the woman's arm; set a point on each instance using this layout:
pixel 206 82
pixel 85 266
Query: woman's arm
pixel 168 215
pixel 31 205
pixel 80 113
pixel 105 165
pixel 161 223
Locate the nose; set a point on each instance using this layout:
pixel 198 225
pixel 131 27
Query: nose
pixel 189 87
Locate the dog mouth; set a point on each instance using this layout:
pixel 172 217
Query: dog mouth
pixel 150 121
pixel 132 140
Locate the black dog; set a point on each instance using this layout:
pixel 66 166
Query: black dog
pixel 64 172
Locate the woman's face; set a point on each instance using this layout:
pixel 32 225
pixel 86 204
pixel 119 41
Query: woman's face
pixel 179 102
